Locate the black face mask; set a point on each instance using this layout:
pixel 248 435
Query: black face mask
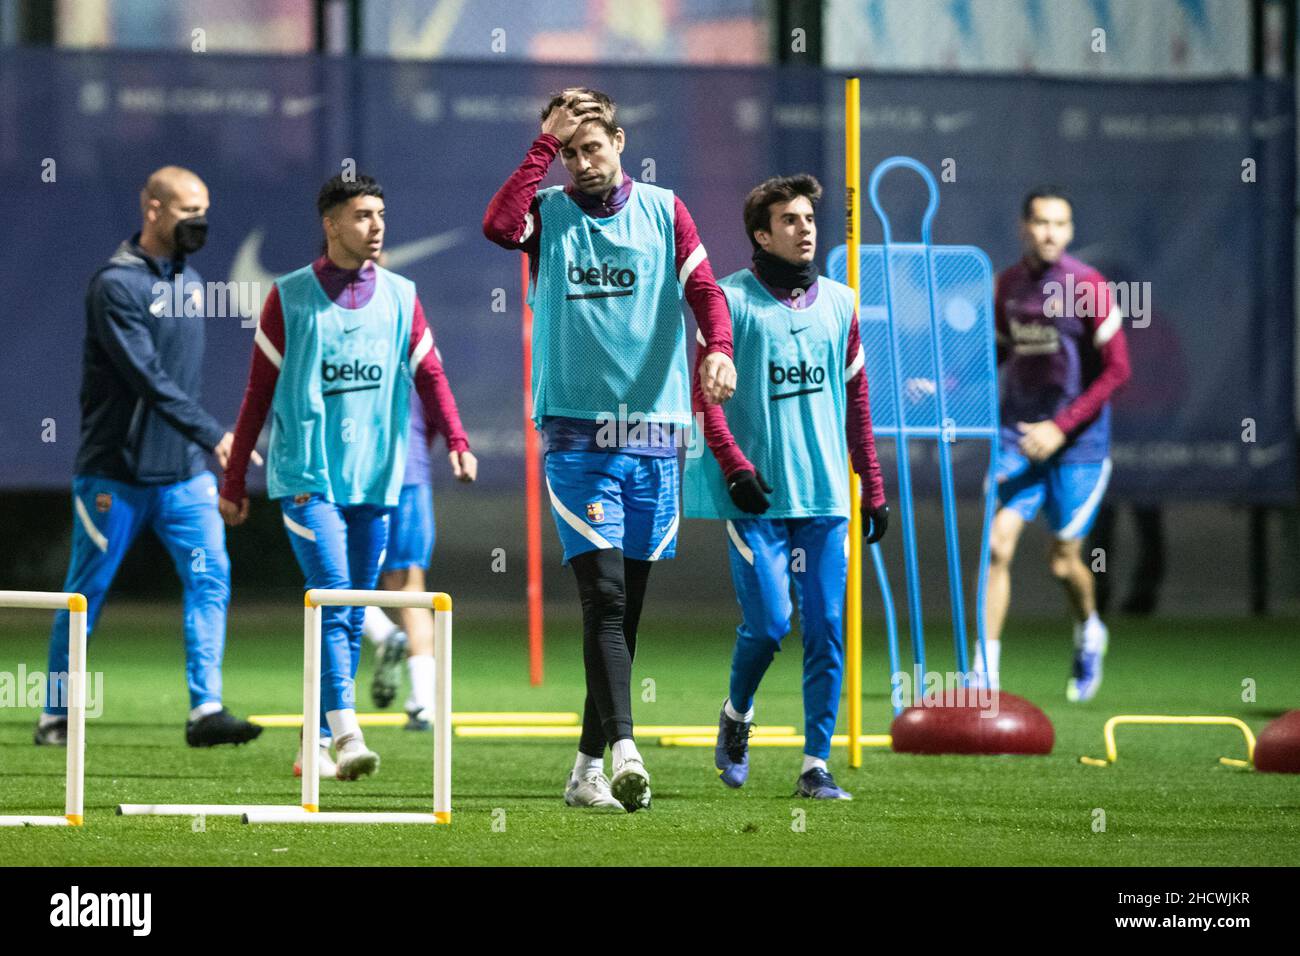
pixel 190 235
pixel 781 274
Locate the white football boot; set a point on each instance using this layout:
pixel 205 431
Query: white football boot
pixel 631 785
pixel 324 763
pixel 590 790
pixel 354 758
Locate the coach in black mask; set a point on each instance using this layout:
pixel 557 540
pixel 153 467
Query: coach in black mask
pixel 145 439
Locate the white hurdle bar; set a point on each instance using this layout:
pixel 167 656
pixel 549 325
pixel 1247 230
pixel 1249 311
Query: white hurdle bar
pixel 309 812
pixel 74 807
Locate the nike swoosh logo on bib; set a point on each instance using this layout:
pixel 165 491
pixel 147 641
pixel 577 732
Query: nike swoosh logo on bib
pixel 247 266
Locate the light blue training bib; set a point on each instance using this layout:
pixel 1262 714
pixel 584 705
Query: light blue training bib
pixel 609 339
pixel 342 401
pixel 787 415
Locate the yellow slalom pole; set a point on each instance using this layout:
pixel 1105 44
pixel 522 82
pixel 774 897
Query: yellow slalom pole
pixel 853 605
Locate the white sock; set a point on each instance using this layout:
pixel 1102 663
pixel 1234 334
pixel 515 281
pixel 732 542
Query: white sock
pixel 584 764
pixel 211 707
pixel 625 750
pixel 1094 632
pixel 420 667
pixel 737 715
pixel 48 719
pixel 342 723
pixel 810 762
pixel 994 658
pixel 378 626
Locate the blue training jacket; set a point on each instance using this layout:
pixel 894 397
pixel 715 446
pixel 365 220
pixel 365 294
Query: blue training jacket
pixel 141 420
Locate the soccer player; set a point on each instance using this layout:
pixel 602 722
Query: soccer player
pixel 337 346
pixel 411 535
pixel 144 441
pixel 610 259
pixel 777 473
pixel 1062 353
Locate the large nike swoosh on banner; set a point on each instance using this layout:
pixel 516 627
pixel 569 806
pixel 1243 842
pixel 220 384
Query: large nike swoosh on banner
pixel 247 267
pixel 1090 252
pixel 1269 455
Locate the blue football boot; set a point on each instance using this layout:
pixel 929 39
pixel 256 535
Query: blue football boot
pixel 1085 677
pixel 818 784
pixel 731 753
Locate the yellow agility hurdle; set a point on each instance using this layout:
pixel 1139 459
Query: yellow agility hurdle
pixel 1112 748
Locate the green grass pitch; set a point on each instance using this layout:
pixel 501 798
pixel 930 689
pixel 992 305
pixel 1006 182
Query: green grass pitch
pixel 1166 802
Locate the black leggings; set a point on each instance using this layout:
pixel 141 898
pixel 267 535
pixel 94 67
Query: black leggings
pixel 612 589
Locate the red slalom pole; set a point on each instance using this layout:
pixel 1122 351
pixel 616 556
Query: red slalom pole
pixel 533 493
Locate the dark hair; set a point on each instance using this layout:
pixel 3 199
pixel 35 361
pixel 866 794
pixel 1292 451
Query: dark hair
pixel 338 190
pixel 761 198
pixel 1043 192
pixel 605 120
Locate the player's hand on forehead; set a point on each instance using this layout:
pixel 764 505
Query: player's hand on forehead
pixel 565 119
pixel 576 99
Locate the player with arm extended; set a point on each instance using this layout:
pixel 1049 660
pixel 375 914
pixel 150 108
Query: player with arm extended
pixel 337 347
pixel 611 258
pixel 1062 353
pixel 776 473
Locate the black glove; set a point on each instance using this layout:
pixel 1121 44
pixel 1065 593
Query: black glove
pixel 875 522
pixel 749 491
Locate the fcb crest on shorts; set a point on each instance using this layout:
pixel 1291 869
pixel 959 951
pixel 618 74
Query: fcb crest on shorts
pixel 596 512
pixel 103 501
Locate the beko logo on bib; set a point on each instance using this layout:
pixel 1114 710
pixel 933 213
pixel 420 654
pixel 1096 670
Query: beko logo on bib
pixel 609 278
pixel 356 366
pixel 352 372
pixel 802 374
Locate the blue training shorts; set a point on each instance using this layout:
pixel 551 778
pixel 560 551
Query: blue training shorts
pixel 614 500
pixel 411 530
pixel 1071 491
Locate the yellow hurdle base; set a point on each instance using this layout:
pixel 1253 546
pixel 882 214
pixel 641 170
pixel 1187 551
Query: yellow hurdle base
pixel 642 730
pixel 464 718
pixel 771 740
